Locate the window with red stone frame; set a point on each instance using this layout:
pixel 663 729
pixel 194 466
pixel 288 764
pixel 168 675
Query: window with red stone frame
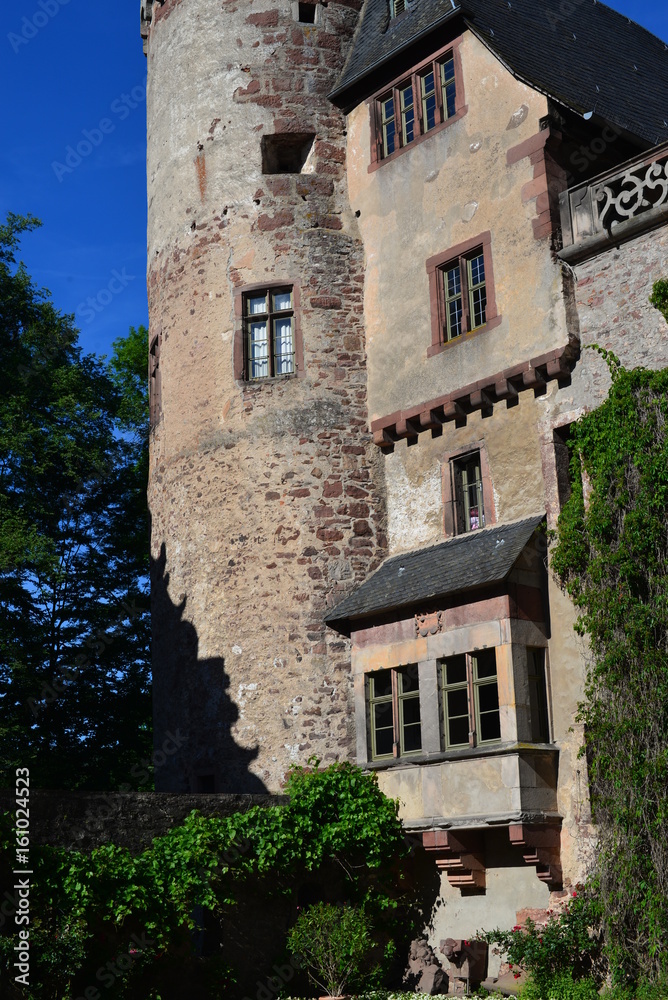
pixel 461 292
pixel 267 336
pixel 414 106
pixel 468 498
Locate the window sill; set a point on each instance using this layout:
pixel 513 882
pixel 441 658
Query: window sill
pixel 491 323
pixel 375 164
pixel 466 753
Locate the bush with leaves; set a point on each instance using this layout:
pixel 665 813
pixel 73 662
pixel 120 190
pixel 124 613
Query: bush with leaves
pixel 567 945
pixel 335 944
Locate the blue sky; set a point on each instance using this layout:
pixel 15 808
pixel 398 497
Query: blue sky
pixel 73 151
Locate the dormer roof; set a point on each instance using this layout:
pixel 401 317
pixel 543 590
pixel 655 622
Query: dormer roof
pixel 593 61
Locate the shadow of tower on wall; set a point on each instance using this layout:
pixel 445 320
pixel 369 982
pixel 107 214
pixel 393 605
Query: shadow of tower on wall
pixel 191 697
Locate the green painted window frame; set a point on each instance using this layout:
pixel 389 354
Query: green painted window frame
pixel 398 698
pixel 461 492
pixel 473 684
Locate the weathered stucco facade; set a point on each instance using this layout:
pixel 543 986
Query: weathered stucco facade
pixel 321 572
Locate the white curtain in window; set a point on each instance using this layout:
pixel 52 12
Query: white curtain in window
pixel 258 352
pixel 283 346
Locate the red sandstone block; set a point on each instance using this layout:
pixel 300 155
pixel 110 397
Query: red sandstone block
pixel 266 222
pixel 361 528
pixel 329 534
pixel 267 19
pixel 332 489
pixel 303 492
pixel 326 301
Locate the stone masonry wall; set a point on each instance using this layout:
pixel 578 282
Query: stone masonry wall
pixel 266 497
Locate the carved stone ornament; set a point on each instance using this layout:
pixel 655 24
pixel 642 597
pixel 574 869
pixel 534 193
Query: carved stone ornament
pixel 429 624
pixel 636 190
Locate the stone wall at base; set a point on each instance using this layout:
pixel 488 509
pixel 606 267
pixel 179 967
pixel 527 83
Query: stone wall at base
pixel 84 820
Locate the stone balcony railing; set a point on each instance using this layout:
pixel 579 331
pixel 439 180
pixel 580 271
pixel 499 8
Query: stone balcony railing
pixel 615 205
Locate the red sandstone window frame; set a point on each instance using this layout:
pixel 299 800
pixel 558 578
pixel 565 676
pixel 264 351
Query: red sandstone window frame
pixel 412 78
pixel 240 360
pixel 451 521
pixel 459 255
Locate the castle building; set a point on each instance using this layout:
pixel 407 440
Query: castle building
pixel 380 234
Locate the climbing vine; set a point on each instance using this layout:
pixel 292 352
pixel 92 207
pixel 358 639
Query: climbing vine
pixel 612 557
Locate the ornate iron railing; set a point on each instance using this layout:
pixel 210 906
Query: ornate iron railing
pixel 615 205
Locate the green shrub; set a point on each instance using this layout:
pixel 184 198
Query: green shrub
pixel 334 942
pixel 567 946
pixel 561 986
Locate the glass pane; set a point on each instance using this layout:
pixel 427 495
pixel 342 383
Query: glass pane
pixel 488 697
pixel 258 350
pixel 407 114
pixel 381 684
pixel 490 726
pixel 448 70
pixel 458 703
pixel 455 670
pixel 408 678
pixel 428 100
pixel 282 301
pixel 412 738
pixel 477 270
pixel 478 307
pixel 283 347
pixel 387 119
pixel 454 318
pixel 256 304
pixel 383 739
pixel 485 664
pixel 453 282
pixel 449 101
pixel 410 710
pixel 458 732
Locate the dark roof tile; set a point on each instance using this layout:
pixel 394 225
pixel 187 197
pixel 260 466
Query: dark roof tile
pixel 465 562
pixel 593 59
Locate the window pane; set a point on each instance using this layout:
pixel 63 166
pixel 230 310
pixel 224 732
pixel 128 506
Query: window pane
pixel 477 290
pixel 282 301
pixel 256 304
pixel 383 733
pixel 478 307
pixel 381 684
pixel 258 350
pixel 408 679
pixel 387 121
pixel 453 281
pixel 538 695
pixel 471 487
pixel 490 727
pixel 457 702
pixel 407 114
pixel 412 738
pixel 455 670
pixel 458 732
pixel 448 87
pixel 428 87
pixel 488 697
pixel 485 663
pixel 283 347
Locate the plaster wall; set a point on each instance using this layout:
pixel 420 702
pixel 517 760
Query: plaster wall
pixel 443 191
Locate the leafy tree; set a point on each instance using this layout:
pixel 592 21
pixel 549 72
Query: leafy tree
pixel 612 555
pixel 74 632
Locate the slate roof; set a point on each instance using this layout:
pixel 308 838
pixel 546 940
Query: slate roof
pixel 593 59
pixel 476 559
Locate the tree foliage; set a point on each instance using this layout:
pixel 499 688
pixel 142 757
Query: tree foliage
pixel 612 556
pixel 88 909
pixel 74 640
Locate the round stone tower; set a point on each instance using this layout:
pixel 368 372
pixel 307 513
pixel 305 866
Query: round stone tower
pixel 265 493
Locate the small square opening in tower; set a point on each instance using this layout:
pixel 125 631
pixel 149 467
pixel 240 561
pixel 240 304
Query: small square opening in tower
pixel 286 153
pixel 307 13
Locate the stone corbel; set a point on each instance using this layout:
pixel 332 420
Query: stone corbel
pixel 540 844
pixel 460 855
